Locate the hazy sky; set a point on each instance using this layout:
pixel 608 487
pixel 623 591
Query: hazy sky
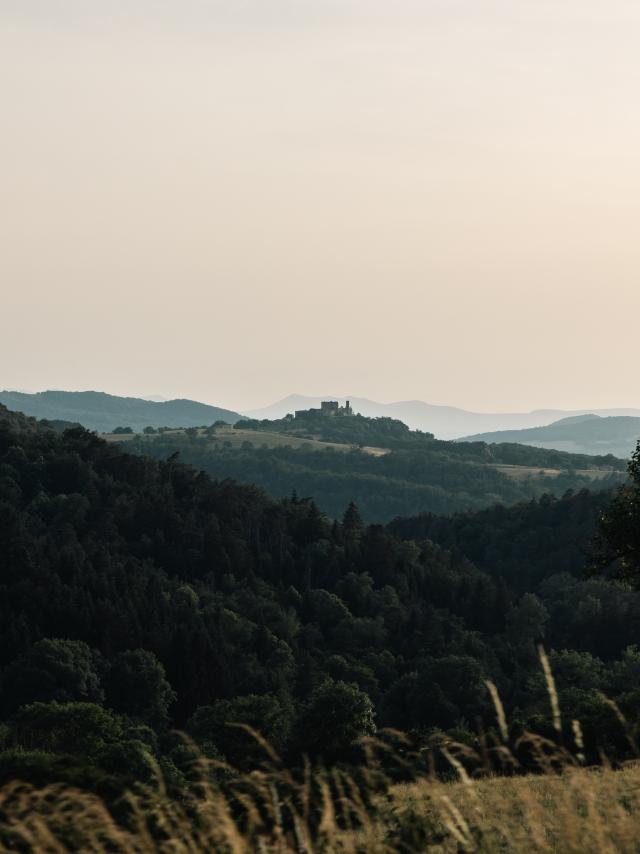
pixel 232 200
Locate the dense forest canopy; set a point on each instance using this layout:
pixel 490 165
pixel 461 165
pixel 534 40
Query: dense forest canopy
pixel 139 595
pixel 523 543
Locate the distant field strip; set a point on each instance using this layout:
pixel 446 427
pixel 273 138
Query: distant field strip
pixel 259 439
pixel 522 472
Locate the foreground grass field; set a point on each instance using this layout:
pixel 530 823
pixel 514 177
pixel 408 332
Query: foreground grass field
pixel 576 812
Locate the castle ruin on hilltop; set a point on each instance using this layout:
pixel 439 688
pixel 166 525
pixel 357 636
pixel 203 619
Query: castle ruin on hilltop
pixel 328 409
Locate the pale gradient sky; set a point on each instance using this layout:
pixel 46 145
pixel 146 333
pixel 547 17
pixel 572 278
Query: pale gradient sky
pixel 232 200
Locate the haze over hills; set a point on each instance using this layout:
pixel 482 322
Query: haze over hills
pixel 588 434
pixel 96 410
pixel 445 422
pixel 103 412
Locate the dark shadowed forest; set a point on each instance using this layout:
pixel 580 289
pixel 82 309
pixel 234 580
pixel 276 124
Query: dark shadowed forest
pixel 138 596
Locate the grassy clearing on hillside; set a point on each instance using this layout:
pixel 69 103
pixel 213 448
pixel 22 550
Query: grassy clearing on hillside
pixel 276 440
pixel 523 472
pixel 237 437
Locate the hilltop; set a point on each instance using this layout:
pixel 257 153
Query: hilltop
pixel 96 410
pixel 104 412
pixel 382 465
pixel 587 434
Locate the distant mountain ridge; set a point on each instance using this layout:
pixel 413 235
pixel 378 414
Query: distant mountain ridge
pixel 102 412
pixel 589 434
pixel 446 422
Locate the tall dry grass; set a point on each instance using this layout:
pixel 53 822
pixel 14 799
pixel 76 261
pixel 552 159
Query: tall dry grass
pixel 488 805
pixel 577 812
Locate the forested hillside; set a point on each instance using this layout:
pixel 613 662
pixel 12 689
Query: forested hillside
pixel 412 473
pixel 587 434
pixel 391 433
pixel 104 412
pixel 523 543
pixel 137 596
